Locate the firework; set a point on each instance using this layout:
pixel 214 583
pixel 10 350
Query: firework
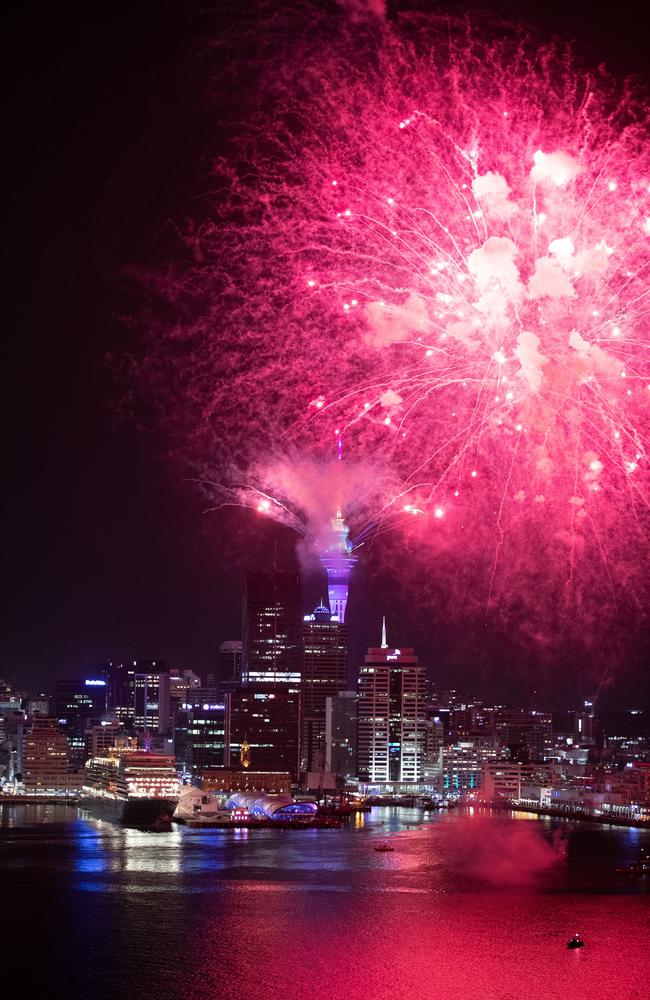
pixel 433 246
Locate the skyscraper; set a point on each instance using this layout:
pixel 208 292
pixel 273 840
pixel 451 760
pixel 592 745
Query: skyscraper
pixel 230 664
pixel 341 734
pixel 272 652
pixel 391 719
pixel 267 718
pixel 79 704
pixel 324 672
pixel 121 685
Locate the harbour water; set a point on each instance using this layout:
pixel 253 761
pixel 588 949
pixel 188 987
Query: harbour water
pixel 466 907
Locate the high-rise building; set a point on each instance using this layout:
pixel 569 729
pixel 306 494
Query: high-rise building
pixel 267 717
pixel 585 725
pixel 201 732
pixel 152 701
pixel 78 705
pixel 120 686
pixel 341 734
pixel 520 728
pixel 13 726
pixel 230 664
pixel 324 673
pixel 391 714
pixel 435 737
pixel 46 765
pixel 272 650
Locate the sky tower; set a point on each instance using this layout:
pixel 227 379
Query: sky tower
pixel 336 557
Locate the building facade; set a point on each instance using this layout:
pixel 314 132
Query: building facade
pixel 266 717
pixel 272 640
pixel 341 734
pixel 324 674
pixel 391 716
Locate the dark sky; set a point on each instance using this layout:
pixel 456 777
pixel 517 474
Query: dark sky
pixel 106 553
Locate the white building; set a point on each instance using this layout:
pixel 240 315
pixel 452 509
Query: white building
pixel 391 715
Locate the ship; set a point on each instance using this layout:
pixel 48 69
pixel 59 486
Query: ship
pixel 639 867
pixel 135 788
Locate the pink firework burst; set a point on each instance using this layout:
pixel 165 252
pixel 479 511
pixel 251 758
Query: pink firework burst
pixel 434 245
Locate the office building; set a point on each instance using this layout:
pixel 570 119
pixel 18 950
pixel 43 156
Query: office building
pixel 324 674
pixel 267 718
pixel 121 684
pixel 152 706
pixel 272 645
pixel 391 716
pixel 341 734
pixel 46 763
pixel 201 732
pixel 78 705
pixel 230 664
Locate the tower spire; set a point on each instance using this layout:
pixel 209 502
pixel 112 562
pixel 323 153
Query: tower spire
pixel 384 644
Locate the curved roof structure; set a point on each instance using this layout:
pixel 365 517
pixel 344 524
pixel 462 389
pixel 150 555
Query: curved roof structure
pixel 271 806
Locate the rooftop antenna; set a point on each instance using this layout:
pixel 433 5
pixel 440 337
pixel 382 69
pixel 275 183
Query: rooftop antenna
pixel 384 644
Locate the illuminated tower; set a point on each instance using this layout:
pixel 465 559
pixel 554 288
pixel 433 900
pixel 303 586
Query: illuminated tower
pixel 336 557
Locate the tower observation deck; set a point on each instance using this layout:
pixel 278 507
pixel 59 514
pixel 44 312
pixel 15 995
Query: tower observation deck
pixel 338 560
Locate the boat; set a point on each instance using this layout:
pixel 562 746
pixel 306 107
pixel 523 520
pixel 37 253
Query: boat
pixel 575 942
pixel 640 867
pixel 134 788
pixel 384 848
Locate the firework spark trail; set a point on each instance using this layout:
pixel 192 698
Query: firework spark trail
pixel 436 246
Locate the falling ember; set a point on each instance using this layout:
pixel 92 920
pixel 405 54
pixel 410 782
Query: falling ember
pixel 479 323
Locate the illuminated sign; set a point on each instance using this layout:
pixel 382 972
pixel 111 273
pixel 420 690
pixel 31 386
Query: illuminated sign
pixel 95 683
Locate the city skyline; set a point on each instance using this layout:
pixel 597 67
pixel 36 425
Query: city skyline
pixel 94 500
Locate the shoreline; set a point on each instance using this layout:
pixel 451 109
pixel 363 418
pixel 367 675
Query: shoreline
pixel 545 811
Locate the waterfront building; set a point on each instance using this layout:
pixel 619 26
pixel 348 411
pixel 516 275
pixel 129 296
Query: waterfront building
pixel 46 759
pixel 463 762
pixel 341 734
pixel 267 717
pixel 13 728
pixel 391 715
pixel 506 781
pixel 272 644
pixel 238 779
pixel 324 674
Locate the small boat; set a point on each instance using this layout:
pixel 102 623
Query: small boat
pixel 575 942
pixel 640 867
pixel 383 848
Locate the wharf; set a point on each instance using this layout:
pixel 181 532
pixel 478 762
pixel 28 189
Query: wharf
pixel 39 800
pixel 328 822
pixel 568 814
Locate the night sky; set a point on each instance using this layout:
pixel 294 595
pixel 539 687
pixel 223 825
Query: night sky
pixel 106 552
